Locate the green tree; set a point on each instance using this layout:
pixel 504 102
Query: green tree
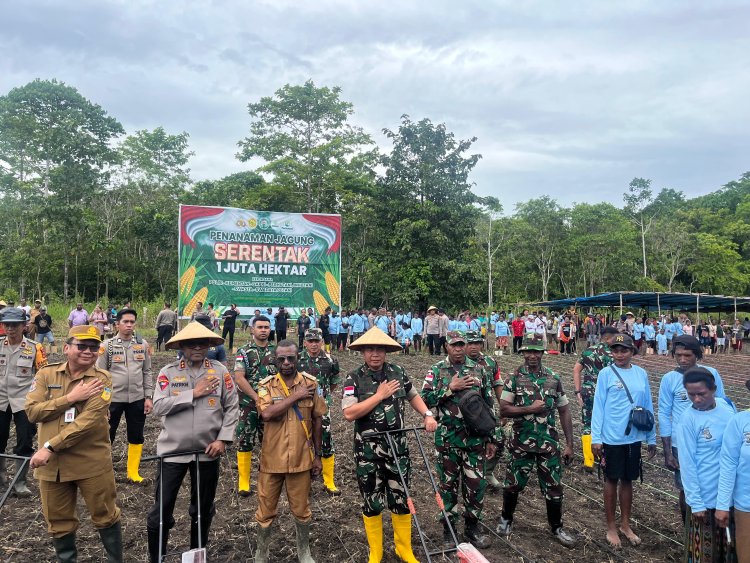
pixel 304 135
pixel 638 198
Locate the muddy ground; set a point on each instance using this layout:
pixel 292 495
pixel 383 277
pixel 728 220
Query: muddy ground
pixel 337 529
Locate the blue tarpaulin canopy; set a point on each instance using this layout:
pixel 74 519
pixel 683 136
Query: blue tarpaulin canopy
pixel 652 301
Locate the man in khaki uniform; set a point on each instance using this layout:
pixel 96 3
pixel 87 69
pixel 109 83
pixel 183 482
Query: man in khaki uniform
pixel 20 359
pixel 292 409
pixel 70 402
pixel 127 358
pixel 32 314
pixel 197 400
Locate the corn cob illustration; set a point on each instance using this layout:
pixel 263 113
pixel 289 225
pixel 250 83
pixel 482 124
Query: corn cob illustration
pixel 200 296
pixel 186 281
pixel 333 288
pixel 320 302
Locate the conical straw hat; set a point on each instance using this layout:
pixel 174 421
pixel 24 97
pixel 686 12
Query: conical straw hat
pixel 375 337
pixel 194 331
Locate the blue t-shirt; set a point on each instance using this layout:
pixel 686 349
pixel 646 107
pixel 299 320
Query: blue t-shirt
pixel 406 334
pixel 637 331
pixel 701 434
pixel 383 323
pixel 417 325
pixel 734 473
pixel 357 322
pixel 502 329
pixel 669 331
pixel 334 325
pixel 649 331
pixel 452 324
pixel 678 329
pixel 661 342
pixel 272 320
pixel 674 401
pixel 462 325
pixel 611 414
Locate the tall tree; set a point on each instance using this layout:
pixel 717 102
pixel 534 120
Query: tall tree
pixel 304 135
pixel 637 200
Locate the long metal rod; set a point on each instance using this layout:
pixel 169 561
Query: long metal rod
pixel 410 503
pixel 23 460
pixel 161 458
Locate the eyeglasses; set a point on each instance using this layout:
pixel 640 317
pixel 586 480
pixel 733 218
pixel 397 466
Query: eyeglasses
pixel 291 359
pixel 90 347
pixel 458 344
pixel 197 344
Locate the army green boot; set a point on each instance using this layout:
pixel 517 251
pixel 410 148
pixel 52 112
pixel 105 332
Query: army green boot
pixel 65 549
pixel 261 552
pixel 112 541
pixel 303 542
pixel 19 488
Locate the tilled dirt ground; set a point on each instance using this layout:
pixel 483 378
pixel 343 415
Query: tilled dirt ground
pixel 338 533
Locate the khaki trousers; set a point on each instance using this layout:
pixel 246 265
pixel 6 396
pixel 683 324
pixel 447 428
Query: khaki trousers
pixel 59 503
pixel 297 493
pixel 742 535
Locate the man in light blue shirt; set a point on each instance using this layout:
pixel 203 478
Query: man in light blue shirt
pixel 358 323
pixel 417 328
pixel 673 402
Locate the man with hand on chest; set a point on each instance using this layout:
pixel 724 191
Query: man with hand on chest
pixel 127 358
pixel 197 400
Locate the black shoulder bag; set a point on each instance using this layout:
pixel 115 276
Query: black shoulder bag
pixel 641 418
pixel 477 414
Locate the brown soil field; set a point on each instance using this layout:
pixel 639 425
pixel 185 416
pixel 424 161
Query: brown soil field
pixel 338 534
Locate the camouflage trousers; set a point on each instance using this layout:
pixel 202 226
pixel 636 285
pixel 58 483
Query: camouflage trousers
pixel 548 470
pixel 249 429
pixel 377 474
pixel 466 465
pixel 587 396
pixel 327 449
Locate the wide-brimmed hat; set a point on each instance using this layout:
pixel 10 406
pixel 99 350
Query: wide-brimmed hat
pixel 629 314
pixel 623 340
pixel 431 308
pixel 12 315
pixel 194 331
pixel 375 337
pixel 533 342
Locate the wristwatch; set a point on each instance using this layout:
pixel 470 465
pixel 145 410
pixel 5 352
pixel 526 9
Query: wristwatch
pixel 46 446
pixel 427 413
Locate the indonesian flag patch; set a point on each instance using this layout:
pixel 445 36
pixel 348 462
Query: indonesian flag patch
pixel 348 391
pixel 429 377
pixel 163 381
pixel 498 376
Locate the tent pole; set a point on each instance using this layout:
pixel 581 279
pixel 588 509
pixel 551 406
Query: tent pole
pixel 658 304
pixel 698 309
pixel 735 308
pixel 620 304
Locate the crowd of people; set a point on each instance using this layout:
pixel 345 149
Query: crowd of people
pixel 278 399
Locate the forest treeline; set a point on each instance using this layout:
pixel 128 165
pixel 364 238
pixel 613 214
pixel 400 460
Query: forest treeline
pixel 89 211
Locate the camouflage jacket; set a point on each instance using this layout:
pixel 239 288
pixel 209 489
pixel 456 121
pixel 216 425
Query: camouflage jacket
pixel 324 368
pixel 257 363
pixel 362 383
pixel 594 359
pixel 489 364
pixel 436 394
pixel 534 432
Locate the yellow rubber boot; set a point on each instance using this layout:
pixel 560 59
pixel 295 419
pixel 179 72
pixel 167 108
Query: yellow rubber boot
pixel 374 531
pixel 134 462
pixel 244 463
pixel 588 455
pixel 402 537
pixel 328 476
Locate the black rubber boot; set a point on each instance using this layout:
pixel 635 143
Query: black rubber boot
pixel 153 544
pixel 448 537
pixel 112 541
pixel 65 549
pixel 554 517
pixel 205 526
pixel 473 534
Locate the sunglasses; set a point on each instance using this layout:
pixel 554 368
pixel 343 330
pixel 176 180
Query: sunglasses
pixel 458 344
pixel 291 359
pixel 90 347
pixel 197 344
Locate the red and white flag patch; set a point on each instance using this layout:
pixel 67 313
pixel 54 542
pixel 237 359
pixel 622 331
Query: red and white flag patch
pixel 498 375
pixel 228 383
pixel 348 391
pixel 163 381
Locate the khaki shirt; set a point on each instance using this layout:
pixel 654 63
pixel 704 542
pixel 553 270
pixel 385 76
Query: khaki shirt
pixel 192 424
pixel 82 447
pixel 129 364
pixel 285 445
pixel 17 369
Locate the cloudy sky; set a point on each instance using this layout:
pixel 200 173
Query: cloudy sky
pixel 567 99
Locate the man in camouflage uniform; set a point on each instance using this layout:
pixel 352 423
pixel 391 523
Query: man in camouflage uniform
pixel 530 396
pixel 593 359
pixel 253 363
pixel 460 455
pixel 474 346
pixel 314 361
pixel 373 398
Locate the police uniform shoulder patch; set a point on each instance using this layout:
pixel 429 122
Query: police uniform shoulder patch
pixel 162 381
pixel 262 391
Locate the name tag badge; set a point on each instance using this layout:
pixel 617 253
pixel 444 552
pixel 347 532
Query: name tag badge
pixel 70 414
pixel 118 359
pixel 139 357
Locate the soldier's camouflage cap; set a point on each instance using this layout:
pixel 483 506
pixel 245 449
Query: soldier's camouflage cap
pixel 455 336
pixel 313 334
pixel 474 336
pixel 533 342
pixel 622 340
